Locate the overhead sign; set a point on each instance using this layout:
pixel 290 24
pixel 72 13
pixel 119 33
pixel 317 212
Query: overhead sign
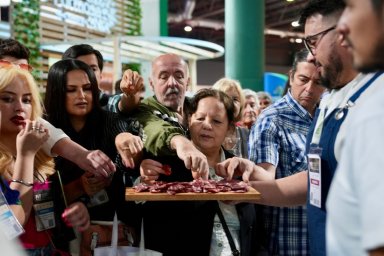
pixel 94 14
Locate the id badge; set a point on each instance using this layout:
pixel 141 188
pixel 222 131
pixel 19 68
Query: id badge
pixel 314 166
pixel 43 206
pixel 99 198
pixel 9 224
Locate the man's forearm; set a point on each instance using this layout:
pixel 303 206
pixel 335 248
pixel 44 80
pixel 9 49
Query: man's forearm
pixel 127 103
pixel 69 149
pixel 284 192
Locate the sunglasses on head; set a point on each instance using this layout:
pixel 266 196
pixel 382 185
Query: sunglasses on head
pixel 5 64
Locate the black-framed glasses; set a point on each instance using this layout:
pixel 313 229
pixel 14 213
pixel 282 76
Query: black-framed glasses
pixel 311 42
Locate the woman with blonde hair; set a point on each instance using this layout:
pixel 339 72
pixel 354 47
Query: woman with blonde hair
pixel 236 140
pixel 24 168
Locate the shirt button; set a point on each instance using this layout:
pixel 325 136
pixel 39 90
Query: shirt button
pixel 218 225
pixel 220 244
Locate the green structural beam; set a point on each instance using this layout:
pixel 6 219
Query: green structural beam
pixel 244 42
pixel 163 17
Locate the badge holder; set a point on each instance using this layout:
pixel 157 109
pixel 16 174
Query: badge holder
pixel 43 206
pixel 9 224
pixel 314 170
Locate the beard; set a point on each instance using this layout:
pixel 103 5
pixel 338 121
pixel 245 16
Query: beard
pixel 330 76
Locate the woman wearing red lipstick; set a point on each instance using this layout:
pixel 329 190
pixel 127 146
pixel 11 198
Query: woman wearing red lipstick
pixel 71 102
pixel 22 162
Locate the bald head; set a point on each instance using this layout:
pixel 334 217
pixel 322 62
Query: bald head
pixel 170 58
pixel 169 80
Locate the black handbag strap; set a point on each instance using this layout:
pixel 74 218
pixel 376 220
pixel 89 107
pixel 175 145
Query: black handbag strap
pixel 235 252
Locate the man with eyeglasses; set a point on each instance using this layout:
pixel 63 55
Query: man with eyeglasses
pixel 355 224
pixel 348 90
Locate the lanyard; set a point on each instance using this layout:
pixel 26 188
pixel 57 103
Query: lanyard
pixel 339 114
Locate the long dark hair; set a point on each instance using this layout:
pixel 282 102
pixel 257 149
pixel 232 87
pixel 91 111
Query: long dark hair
pixel 56 91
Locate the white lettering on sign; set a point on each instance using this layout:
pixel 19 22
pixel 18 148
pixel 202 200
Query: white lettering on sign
pixel 94 14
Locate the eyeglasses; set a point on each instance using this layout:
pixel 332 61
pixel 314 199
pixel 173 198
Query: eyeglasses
pixel 5 64
pixel 311 42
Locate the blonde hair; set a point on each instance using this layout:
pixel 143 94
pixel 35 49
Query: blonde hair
pixel 226 84
pixel 43 163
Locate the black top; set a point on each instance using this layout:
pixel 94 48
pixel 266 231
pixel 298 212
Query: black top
pixel 99 133
pixel 185 227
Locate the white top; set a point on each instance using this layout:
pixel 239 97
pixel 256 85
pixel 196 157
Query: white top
pixel 339 98
pixel 219 243
pixel 355 206
pixel 55 135
pixel 10 247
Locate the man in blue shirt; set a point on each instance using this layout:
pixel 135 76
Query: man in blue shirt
pixel 277 143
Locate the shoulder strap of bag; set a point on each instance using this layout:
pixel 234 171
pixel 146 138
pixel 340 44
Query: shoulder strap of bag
pixel 235 252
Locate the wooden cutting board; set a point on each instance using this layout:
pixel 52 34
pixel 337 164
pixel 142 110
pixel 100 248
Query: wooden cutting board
pixel 131 195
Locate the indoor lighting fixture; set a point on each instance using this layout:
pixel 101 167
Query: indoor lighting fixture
pixel 187 28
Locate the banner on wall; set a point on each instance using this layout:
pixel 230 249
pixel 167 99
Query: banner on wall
pixel 274 84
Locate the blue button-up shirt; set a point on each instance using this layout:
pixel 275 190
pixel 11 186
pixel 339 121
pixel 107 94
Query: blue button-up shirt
pixel 278 137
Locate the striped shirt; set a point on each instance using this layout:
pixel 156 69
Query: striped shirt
pixel 279 138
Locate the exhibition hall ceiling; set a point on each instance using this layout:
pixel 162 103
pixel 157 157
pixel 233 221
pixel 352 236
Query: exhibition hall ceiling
pixel 206 17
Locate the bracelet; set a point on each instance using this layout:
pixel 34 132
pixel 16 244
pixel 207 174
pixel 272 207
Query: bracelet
pixel 28 184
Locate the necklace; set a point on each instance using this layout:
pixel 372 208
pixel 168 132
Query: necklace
pixel 38 176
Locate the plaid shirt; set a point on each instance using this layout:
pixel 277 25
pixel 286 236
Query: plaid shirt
pixel 279 138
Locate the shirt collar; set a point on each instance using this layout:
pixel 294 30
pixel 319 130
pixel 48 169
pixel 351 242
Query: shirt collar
pixel 295 106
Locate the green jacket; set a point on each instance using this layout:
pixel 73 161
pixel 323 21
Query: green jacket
pixel 159 124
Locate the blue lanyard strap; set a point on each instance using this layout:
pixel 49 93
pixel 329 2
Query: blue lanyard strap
pixel 364 87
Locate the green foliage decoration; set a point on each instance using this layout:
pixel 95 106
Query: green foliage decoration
pixel 134 13
pixel 25 28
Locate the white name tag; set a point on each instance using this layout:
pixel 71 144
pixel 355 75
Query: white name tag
pixel 99 198
pixel 314 166
pixel 43 206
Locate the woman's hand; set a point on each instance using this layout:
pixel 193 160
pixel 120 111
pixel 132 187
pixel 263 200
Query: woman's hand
pixel 76 215
pixel 151 169
pixel 93 184
pixel 31 138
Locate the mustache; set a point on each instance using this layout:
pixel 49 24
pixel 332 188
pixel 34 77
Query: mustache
pixel 172 90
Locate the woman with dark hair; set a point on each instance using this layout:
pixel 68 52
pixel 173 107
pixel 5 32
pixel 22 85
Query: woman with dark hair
pixel 72 104
pixel 210 116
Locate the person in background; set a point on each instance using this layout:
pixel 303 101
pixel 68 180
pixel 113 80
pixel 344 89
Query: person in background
pixel 211 114
pixel 13 53
pixel 71 103
pixel 277 144
pixel 265 100
pixel 160 116
pixel 123 104
pixel 117 87
pixel 354 224
pixel 236 140
pixel 22 134
pixel 165 139
pixel 251 108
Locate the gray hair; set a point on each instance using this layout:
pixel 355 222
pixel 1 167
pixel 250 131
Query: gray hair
pixel 264 95
pixel 250 93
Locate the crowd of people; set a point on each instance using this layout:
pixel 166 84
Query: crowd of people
pixel 314 156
